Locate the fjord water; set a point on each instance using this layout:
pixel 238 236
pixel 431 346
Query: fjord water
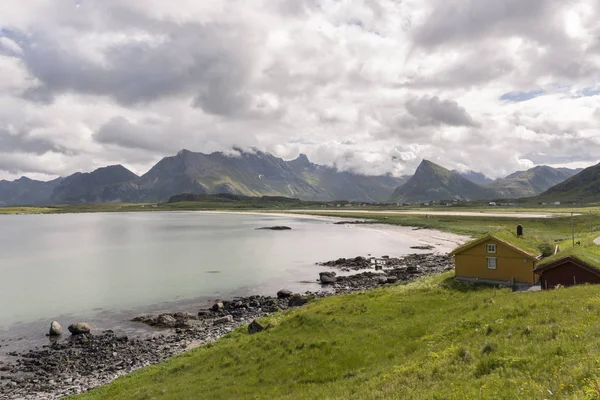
pixel 85 264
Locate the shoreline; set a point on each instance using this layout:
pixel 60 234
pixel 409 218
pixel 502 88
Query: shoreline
pixel 25 374
pixel 82 362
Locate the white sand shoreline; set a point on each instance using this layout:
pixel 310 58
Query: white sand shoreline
pixel 443 242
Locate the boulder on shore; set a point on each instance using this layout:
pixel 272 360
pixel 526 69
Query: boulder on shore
pixel 284 294
pixel 255 327
pixel 297 300
pixel 79 328
pixel 55 329
pixel 166 321
pixel 217 306
pixel 223 320
pixel 327 277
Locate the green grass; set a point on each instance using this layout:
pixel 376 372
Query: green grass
pixel 24 210
pixel 553 230
pixel 587 253
pixel 431 339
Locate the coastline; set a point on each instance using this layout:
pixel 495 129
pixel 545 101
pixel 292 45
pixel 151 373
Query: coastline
pixel 444 241
pixel 191 331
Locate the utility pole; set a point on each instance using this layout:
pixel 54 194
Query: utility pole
pixel 572 229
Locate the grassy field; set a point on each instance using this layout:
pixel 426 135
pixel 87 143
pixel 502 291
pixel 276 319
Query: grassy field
pixel 430 339
pixel 557 230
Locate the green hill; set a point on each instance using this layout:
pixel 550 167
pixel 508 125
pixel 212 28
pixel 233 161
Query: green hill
pixel 430 339
pixel 582 187
pixel 432 182
pixel 531 182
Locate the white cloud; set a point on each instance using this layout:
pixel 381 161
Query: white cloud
pixel 372 86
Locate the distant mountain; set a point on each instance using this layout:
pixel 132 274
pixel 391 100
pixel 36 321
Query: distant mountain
pixel 259 174
pixel 475 177
pixel 582 187
pixel 433 182
pixel 99 186
pixel 248 174
pixel 531 182
pixel 25 191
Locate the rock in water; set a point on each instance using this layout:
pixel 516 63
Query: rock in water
pixel 255 327
pixel 223 320
pixel 79 328
pixel 327 277
pixel 284 294
pixel 55 329
pixel 275 228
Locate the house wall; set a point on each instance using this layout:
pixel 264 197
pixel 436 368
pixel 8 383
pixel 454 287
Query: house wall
pixel 563 274
pixel 510 264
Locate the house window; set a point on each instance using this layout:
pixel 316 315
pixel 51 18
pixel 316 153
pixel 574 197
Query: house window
pixel 491 262
pixel 491 248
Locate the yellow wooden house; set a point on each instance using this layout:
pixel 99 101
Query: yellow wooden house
pixel 497 258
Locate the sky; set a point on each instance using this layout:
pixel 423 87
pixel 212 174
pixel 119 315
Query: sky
pixel 372 86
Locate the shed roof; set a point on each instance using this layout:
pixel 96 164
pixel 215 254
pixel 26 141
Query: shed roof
pixel 521 244
pixel 589 255
pixel 564 260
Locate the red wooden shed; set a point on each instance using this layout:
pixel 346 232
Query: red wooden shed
pixel 567 271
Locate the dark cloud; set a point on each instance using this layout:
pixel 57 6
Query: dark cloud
pixel 209 62
pixel 121 132
pixel 23 141
pixel 431 111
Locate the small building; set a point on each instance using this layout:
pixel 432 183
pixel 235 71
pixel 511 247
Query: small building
pixel 568 269
pixel 500 258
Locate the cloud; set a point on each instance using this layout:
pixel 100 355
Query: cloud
pixel 431 111
pixel 369 85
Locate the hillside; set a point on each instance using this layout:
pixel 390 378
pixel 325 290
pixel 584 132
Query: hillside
pixel 260 174
pixel 99 186
pixel 26 191
pixel 432 182
pixel 582 187
pixel 433 338
pixel 531 182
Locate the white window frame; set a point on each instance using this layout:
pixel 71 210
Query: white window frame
pixel 490 248
pixel 489 263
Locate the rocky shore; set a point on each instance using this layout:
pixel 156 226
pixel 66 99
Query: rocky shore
pixel 87 360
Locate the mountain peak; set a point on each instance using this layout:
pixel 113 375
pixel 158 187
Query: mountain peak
pixel 434 182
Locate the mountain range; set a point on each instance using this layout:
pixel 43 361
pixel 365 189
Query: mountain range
pixel 262 174
pixel 581 188
pixel 432 182
pixel 249 173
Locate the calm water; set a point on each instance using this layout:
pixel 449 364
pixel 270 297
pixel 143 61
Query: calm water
pixel 84 265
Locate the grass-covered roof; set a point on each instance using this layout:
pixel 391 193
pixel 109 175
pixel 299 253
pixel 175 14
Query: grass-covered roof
pixel 527 244
pixel 587 254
